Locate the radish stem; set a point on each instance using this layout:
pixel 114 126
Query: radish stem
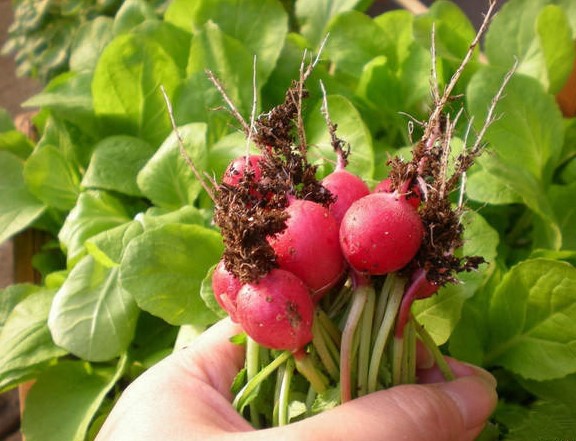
pixel 247 392
pixel 394 290
pixel 324 351
pixel 306 367
pixel 284 397
pixel 358 301
pixel 252 367
pixel 408 371
pixel 397 355
pixel 365 342
pixel 434 350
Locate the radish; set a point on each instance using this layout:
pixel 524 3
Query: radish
pixel 238 167
pixel 413 197
pixel 309 246
pixel 277 311
pixel 226 286
pixel 347 188
pixel 380 233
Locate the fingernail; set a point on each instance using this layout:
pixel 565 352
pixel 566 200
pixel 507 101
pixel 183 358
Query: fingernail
pixel 475 397
pixel 470 369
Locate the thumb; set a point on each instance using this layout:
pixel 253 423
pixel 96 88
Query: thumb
pixel 455 410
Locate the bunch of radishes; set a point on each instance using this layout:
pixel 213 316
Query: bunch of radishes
pixel 323 273
pixel 363 233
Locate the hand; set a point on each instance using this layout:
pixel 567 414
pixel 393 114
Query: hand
pixel 187 397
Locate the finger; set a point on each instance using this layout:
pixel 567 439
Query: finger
pixel 186 393
pixel 444 411
pixel 213 358
pixel 458 368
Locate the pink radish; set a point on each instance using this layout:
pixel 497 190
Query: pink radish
pixel 347 188
pixel 380 233
pixel 277 311
pixel 413 196
pixel 238 167
pixel 309 246
pixel 226 286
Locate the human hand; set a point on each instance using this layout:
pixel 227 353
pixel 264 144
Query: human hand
pixel 187 397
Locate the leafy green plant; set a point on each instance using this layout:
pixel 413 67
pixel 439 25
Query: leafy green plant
pixel 44 33
pixel 133 228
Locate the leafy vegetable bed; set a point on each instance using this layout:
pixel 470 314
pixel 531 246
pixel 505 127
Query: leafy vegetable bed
pixel 128 275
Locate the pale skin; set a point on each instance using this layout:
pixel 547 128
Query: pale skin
pixel 187 397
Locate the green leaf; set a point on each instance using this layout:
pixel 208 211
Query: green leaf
pixel 351 129
pixel 10 297
pixel 565 215
pixel 25 342
pixel 531 134
pixel 532 131
pixel 51 178
pixel 555 38
pixel 197 100
pixel 546 421
pixel 315 16
pixel 153 341
pixel 354 40
pixel 108 246
pixel 286 70
pixel 260 25
pixel 173 40
pixel 126 88
pixel 6 123
pixel 163 269
pixel 440 313
pixel 75 145
pixel 90 40
pixel 68 96
pixel 532 320
pixel 116 162
pixel 229 60
pixel 562 390
pixel 18 207
pixel 156 217
pixel 398 79
pixel 167 179
pixel 453 30
pixel 131 14
pixel 92 316
pixel 483 186
pixel 96 211
pixel 16 143
pixel 70 394
pixel 538 35
pixel 470 337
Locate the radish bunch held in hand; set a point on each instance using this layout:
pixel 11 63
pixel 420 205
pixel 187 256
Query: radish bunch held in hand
pixel 322 273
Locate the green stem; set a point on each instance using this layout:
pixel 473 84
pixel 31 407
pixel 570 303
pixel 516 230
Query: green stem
pixel 252 368
pixel 340 301
pixel 394 292
pixel 284 397
pixel 310 398
pixel 249 388
pixel 306 367
pixel 346 348
pixel 329 326
pixel 365 342
pixel 382 304
pixel 397 355
pixel 434 350
pixel 276 410
pixel 323 350
pixel 408 374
